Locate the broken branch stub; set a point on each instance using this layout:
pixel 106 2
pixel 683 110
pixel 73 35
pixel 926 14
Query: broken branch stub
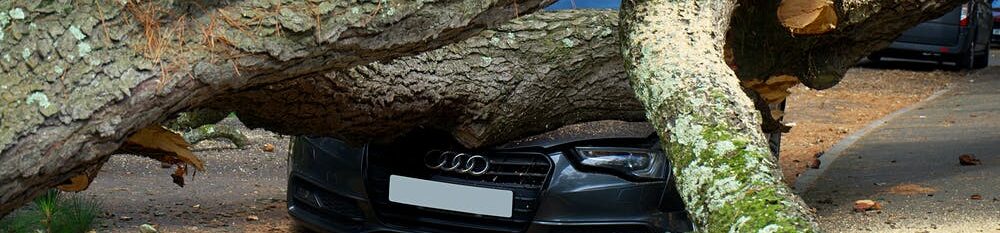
pixel 807 17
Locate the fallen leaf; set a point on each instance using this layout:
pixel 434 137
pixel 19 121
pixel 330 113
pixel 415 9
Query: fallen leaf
pixel 968 160
pixel 976 197
pixel 76 184
pixel 268 148
pixel 866 205
pixel 252 218
pixel 814 164
pixel 146 228
pixel 178 175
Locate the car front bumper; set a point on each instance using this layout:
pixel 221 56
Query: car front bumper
pixel 327 192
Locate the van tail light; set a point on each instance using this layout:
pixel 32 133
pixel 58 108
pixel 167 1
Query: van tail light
pixel 965 16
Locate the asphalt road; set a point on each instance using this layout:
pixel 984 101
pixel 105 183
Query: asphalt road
pixel 920 148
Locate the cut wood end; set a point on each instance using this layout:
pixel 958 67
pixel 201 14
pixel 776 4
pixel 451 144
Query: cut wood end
pixel 774 89
pixel 807 17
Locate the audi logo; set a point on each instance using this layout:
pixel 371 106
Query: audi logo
pixel 456 162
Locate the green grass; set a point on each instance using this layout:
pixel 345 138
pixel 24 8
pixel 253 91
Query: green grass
pixel 53 213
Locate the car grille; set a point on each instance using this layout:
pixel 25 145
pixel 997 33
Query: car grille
pixel 523 173
pixel 329 205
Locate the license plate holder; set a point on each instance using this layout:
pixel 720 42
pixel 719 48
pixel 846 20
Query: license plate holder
pixel 453 197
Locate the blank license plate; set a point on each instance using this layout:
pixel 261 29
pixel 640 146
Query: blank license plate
pixel 996 31
pixel 446 196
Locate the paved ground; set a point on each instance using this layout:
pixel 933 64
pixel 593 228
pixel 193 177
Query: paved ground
pixel 911 166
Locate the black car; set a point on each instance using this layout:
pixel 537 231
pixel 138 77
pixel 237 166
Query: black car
pixel 996 21
pixel 606 176
pixel 961 36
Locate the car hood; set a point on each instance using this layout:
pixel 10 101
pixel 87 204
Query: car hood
pixel 606 129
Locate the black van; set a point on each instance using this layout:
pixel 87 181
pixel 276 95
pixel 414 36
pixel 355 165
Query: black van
pixel 961 36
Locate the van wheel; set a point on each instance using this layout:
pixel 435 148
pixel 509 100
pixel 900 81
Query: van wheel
pixel 875 58
pixel 981 60
pixel 966 59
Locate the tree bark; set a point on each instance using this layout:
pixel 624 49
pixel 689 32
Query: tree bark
pixel 761 48
pixel 529 76
pixel 211 131
pixel 673 53
pixel 77 78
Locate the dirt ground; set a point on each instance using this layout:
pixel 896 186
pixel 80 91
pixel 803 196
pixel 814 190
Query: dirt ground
pixel 237 186
pixel 244 189
pixel 867 93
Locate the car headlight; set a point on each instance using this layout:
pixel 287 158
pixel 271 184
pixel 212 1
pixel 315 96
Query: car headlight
pixel 642 163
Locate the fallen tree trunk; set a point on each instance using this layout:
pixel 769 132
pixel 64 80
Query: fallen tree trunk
pixel 723 168
pixel 496 86
pixel 77 78
pixel 534 74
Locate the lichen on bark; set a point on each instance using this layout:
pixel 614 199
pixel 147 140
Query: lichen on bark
pixel 673 52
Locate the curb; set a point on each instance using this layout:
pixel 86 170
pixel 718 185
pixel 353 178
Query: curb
pixel 807 180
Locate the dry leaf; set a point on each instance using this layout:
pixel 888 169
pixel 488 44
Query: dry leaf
pixel 976 197
pixel 178 175
pixel 968 160
pixel 866 205
pixel 814 164
pixel 77 183
pixel 808 17
pixel 81 181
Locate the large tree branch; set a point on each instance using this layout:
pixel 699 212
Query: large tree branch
pixel 534 74
pixel 455 88
pixel 673 53
pixel 78 78
pixel 762 48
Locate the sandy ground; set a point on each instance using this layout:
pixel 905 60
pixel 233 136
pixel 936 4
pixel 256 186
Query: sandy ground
pixel 241 184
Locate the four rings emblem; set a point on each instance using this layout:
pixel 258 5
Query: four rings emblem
pixel 456 162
